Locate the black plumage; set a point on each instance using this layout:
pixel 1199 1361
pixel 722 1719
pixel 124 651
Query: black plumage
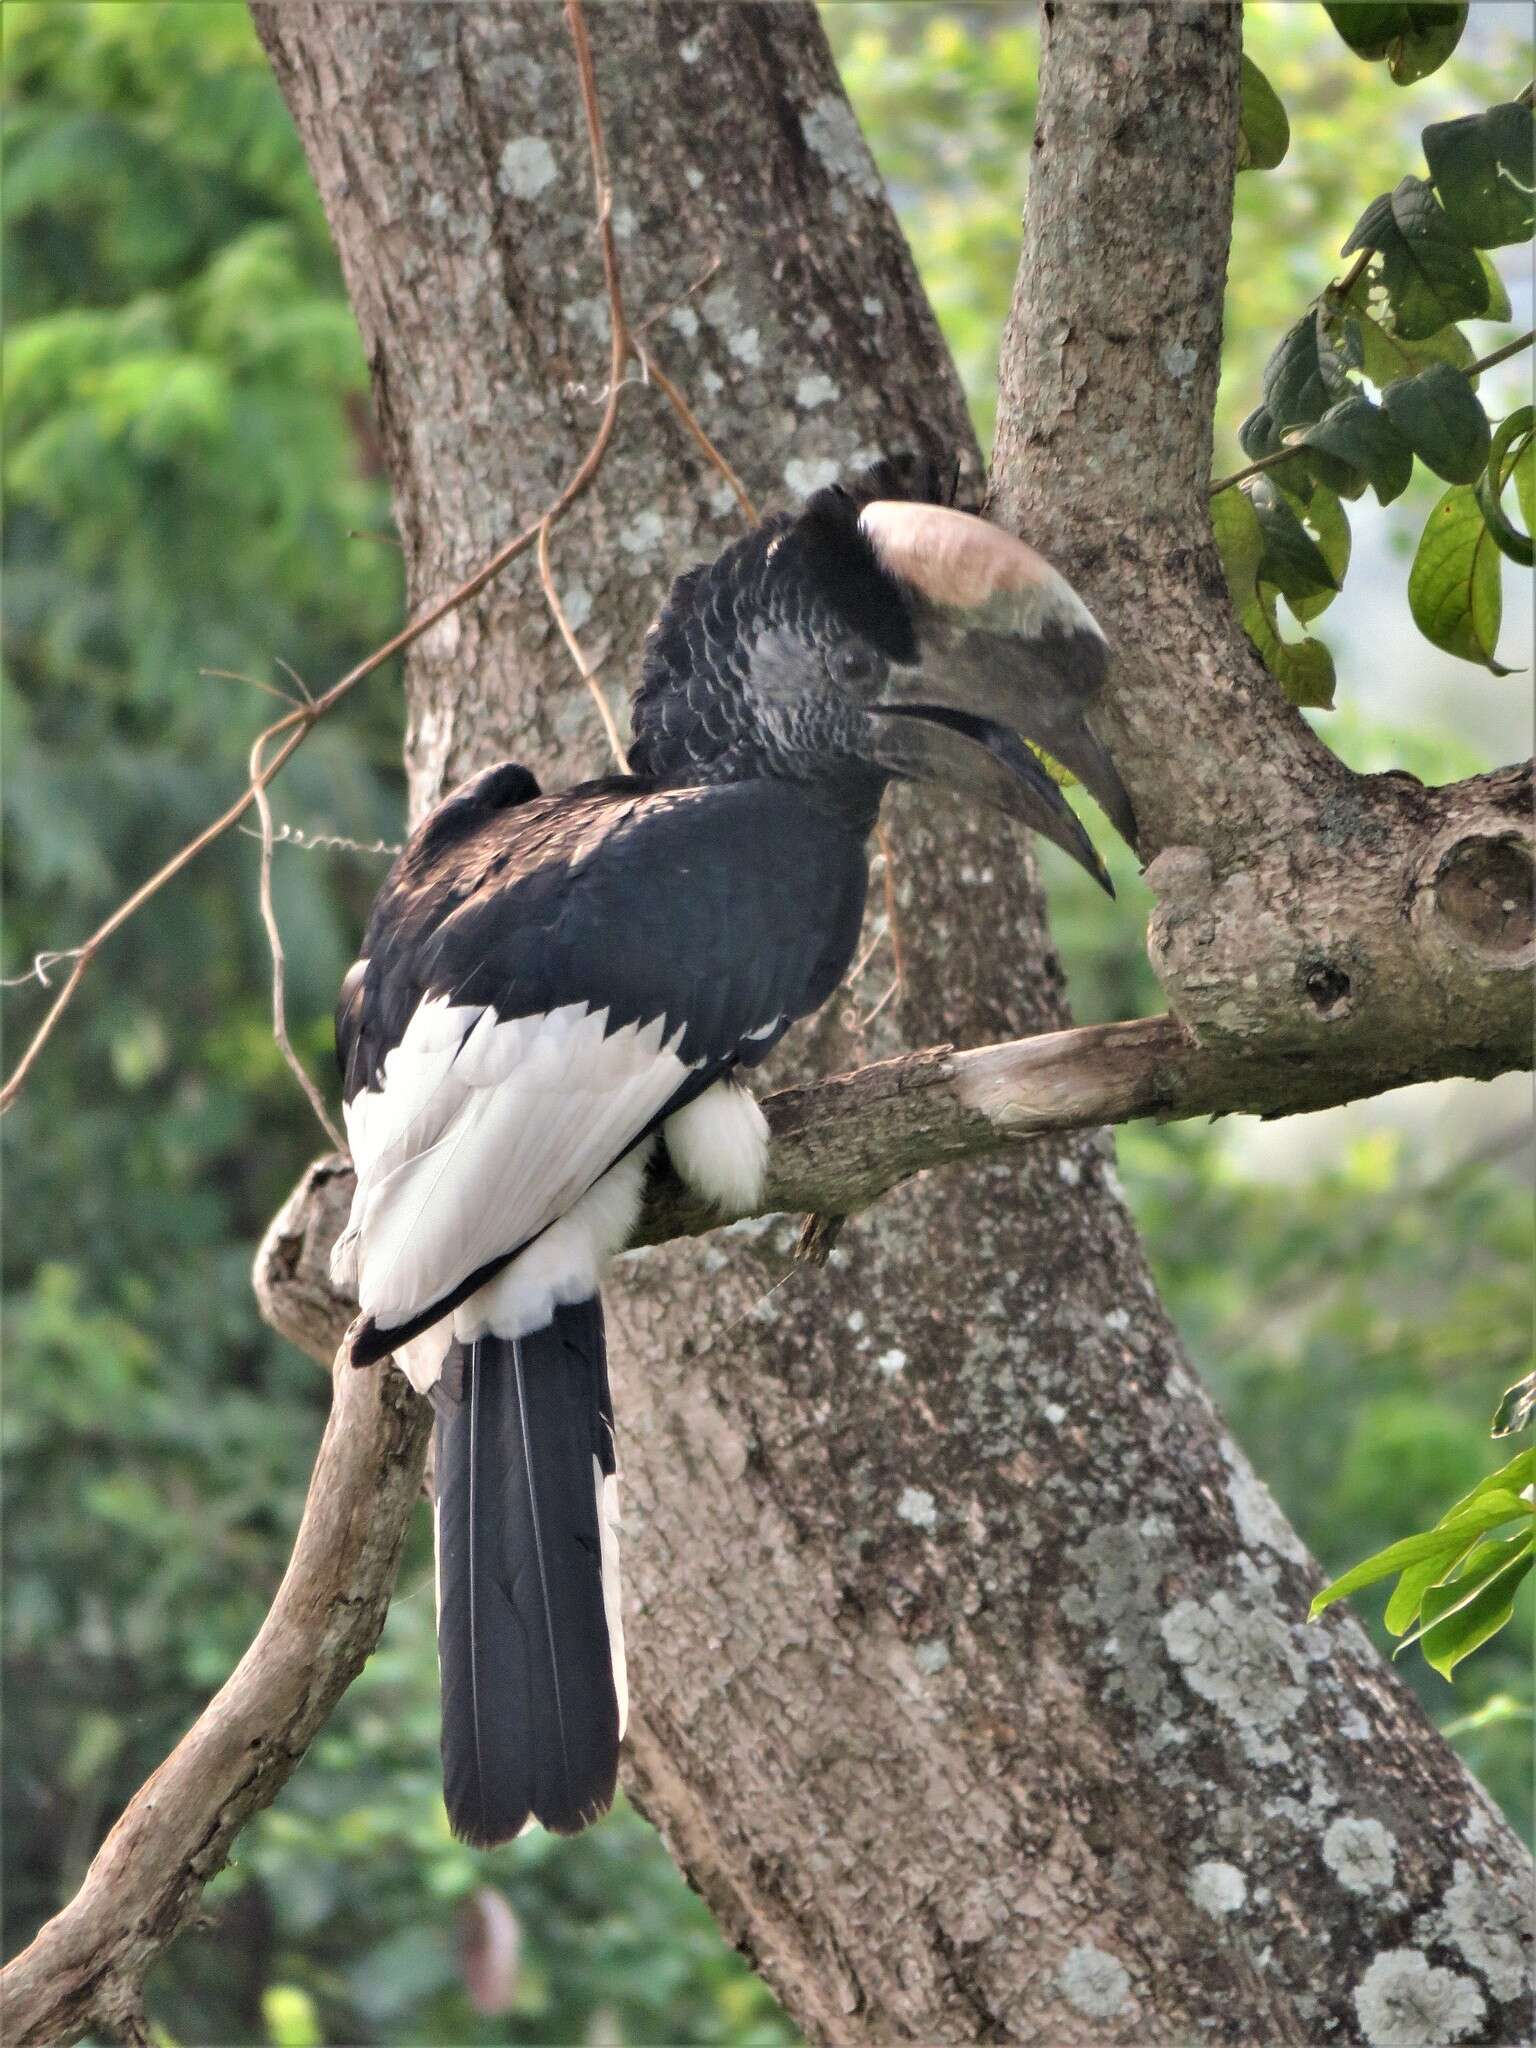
pixel 530 1710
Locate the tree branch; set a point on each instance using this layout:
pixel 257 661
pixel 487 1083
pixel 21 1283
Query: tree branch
pixel 839 1144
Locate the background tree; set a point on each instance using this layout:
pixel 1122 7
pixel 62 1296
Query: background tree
pixel 133 1337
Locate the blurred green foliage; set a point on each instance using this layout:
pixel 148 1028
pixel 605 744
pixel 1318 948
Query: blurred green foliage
pixel 187 449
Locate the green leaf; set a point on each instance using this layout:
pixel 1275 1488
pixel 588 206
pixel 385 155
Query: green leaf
pixel 1292 559
pixel 1460 1617
pixel 1328 524
pixel 1499 307
pixel 1433 33
pixel 1415 37
pixel 1438 415
pixel 1525 486
pixel 1514 1477
pixel 1481 166
pixel 1517 1407
pixel 1355 444
pixel 1454 588
pixel 1513 454
pixel 1240 542
pixel 1446 1540
pixel 1256 436
pixel 1384 353
pixel 1402 1609
pixel 1303 668
pixel 1431 277
pixel 1305 374
pixel 1264 134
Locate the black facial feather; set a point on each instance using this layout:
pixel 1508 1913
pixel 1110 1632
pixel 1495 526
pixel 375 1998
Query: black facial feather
pixel 813 573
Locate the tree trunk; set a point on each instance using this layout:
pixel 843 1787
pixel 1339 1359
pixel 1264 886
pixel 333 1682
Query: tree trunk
pixel 973 1687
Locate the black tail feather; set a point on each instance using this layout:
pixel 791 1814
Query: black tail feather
pixel 530 1702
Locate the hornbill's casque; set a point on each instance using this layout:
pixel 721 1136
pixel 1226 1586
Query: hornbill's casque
pixel 551 986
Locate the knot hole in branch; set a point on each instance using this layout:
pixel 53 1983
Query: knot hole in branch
pixel 1485 889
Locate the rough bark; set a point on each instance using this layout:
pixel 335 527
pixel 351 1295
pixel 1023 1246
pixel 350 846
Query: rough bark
pixel 973 1686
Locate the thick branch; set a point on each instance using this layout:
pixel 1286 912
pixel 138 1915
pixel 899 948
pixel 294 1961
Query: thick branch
pixel 840 1144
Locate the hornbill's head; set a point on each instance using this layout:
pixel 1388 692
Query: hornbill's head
pixel 882 633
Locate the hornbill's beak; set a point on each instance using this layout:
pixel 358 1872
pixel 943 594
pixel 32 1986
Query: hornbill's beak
pixel 1008 652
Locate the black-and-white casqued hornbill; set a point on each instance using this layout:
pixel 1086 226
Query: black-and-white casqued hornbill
pixel 553 986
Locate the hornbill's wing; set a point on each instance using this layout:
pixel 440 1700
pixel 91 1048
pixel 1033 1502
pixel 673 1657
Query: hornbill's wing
pixel 545 986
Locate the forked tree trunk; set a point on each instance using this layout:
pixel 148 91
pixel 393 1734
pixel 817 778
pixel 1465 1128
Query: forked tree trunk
pixel 973 1687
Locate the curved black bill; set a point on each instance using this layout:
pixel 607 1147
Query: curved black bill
pixel 977 758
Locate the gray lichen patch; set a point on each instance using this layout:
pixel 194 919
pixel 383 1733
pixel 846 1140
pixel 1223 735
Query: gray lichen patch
pixel 1490 1930
pixel 1405 2002
pixel 833 133
pixel 1218 1888
pixel 1259 1520
pixel 1093 1981
pixel 527 167
pixel 1115 1602
pixel 1361 1854
pixel 918 1507
pixel 1244 1660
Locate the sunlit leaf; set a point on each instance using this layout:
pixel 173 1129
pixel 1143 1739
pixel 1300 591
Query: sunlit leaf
pixel 1482 169
pixel 1240 541
pixel 1431 277
pixel 1438 415
pixel 1461 1616
pixel 1264 134
pixel 1454 587
pixel 1499 306
pixel 1446 1541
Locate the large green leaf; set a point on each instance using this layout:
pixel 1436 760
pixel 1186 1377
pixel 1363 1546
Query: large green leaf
pixel 1482 169
pixel 1355 444
pixel 1264 133
pixel 1415 36
pixel 1431 277
pixel 1454 589
pixel 1438 415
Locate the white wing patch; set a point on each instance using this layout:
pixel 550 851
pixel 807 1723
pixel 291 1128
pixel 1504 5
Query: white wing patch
pixel 483 1133
pixel 719 1145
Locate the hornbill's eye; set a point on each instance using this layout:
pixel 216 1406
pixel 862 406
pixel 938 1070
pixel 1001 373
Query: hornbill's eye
pixel 857 667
